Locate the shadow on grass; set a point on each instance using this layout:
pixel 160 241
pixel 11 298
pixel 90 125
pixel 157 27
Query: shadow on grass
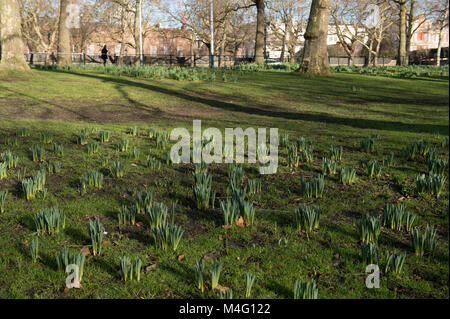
pixel 270 111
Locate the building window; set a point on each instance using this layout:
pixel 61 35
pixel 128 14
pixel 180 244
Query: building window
pixel 90 50
pixel 118 47
pixel 153 50
pixel 420 36
pixel 166 50
pixel 180 51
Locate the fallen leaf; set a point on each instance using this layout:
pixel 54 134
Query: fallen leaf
pixel 222 288
pixel 104 243
pixel 139 224
pixel 220 238
pixel 134 165
pixel 85 250
pixel 150 267
pixel 240 222
pixel 180 258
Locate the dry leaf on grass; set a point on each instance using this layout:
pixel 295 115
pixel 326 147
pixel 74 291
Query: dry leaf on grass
pixel 85 250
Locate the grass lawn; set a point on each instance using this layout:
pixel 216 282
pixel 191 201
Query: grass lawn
pixel 341 110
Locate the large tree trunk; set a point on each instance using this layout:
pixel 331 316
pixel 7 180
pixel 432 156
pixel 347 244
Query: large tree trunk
pixel 260 28
pixel 441 34
pixel 136 32
pixel 13 57
pixel 402 53
pixel 64 56
pixel 315 54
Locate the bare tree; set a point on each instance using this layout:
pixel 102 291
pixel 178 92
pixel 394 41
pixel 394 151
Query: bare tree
pixel 443 23
pixel 315 54
pixel 260 31
pixel 13 57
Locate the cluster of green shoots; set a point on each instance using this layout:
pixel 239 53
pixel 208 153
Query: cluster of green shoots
pixel 127 215
pixel 104 136
pixel 284 140
pixel 46 137
pixel 133 131
pixel 329 166
pixel 165 234
pixel 31 186
pixel 437 166
pixel 91 179
pixel 92 148
pixel 388 160
pixel 161 139
pixel 130 269
pixel 303 144
pixel 396 217
pixel 373 169
pixel 202 191
pixel 3 170
pixel 249 282
pixel 235 175
pixel 24 132
pixel 9 159
pixel 305 289
pixel 58 149
pixel 367 145
pixel 53 167
pixel 34 249
pixel 369 229
pixel 307 218
pixel 123 145
pixel 66 258
pixel 444 141
pixel 49 221
pixel 96 232
pixel 38 153
pixel 3 195
pixel 144 201
pixel 135 153
pixel 336 153
pixel 369 252
pixel 430 184
pixel 394 262
pixel 421 147
pixel 254 186
pixel 117 170
pixel 306 155
pixel 347 175
pixel 424 242
pixel 83 136
pixel 11 141
pixel 153 163
pixel 292 158
pixel 313 187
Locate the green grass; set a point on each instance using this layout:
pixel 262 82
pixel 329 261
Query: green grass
pixel 339 110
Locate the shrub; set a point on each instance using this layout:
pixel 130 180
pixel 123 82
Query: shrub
pixel 10 159
pixel 38 153
pixel 368 145
pixel 249 282
pixel 369 252
pixel 394 262
pixel 153 163
pixel 374 169
pixel 92 148
pixel 425 242
pixel 307 218
pixel 105 136
pixel 127 216
pixel 437 166
pixel 117 170
pixel 199 270
pixel 313 188
pixel 144 201
pixel 431 184
pixel 216 269
pixel 96 232
pixel 347 175
pixel 46 137
pixel 336 153
pixel 34 249
pixel 329 166
pixel 305 290
pixel 388 160
pixel 369 229
pixel 3 195
pixel 49 221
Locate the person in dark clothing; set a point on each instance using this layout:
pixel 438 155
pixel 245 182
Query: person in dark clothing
pixel 104 54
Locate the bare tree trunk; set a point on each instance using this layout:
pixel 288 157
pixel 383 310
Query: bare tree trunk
pixel 402 53
pixel 441 33
pixel 283 42
pixel 315 54
pixel 13 57
pixel 136 31
pixel 192 49
pixel 64 57
pixel 260 28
